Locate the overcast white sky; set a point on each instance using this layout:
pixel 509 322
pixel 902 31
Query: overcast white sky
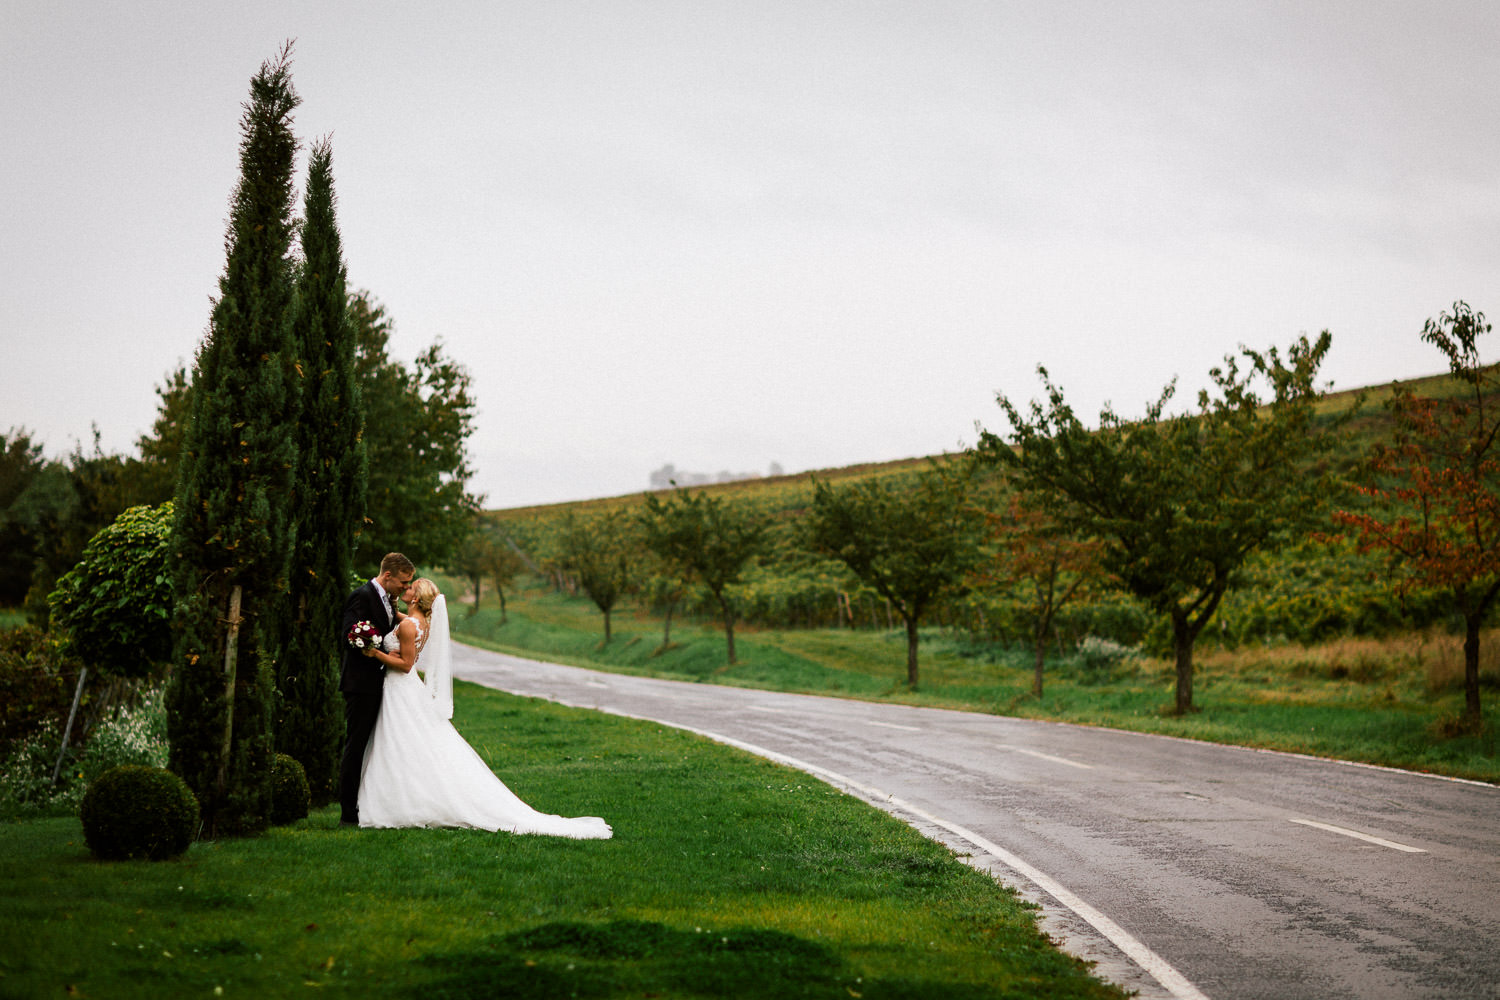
pixel 728 234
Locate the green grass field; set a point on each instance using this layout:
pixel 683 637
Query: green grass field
pixel 1391 702
pixel 728 876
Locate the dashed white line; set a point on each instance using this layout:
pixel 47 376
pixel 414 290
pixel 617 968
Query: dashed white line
pixel 892 725
pixel 1361 836
pixel 1046 756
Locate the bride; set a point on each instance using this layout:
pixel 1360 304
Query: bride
pixel 418 770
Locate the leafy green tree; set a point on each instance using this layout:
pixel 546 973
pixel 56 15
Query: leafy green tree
pixel 708 541
pixel 473 558
pixel 96 488
pixel 329 498
pixel 601 553
pixel 115 606
pixel 417 423
pixel 1180 502
pixel 663 590
pixel 34 492
pixel 234 533
pixel 507 564
pixel 1438 506
pixel 1044 566
pixel 910 544
pixel 113 610
pixel 486 553
pixel 417 426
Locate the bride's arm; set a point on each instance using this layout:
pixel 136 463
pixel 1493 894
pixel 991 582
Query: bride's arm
pixel 407 633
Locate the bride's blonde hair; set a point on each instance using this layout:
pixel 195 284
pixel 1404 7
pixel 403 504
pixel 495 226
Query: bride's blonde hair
pixel 425 592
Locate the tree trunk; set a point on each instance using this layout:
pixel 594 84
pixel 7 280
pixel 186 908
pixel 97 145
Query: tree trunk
pixel 606 626
pixel 1182 645
pixel 501 592
pixel 477 585
pixel 728 629
pixel 1043 629
pixel 911 651
pixel 666 627
pixel 231 654
pixel 1471 671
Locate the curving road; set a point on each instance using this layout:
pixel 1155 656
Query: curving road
pixel 1186 870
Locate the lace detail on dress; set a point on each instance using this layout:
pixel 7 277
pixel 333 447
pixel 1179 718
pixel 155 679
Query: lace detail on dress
pixel 421 636
pixel 391 642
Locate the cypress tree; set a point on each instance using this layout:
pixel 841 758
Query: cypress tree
pixel 329 501
pixel 232 536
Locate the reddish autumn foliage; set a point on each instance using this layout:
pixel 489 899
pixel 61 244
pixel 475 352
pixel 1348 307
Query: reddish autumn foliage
pixel 1436 497
pixel 1047 565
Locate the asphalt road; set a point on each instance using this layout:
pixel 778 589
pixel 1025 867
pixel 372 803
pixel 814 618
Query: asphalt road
pixel 1184 869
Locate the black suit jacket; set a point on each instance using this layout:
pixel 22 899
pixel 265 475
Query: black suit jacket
pixel 361 672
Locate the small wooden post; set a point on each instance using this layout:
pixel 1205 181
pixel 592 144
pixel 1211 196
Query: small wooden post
pixel 231 653
pixel 83 673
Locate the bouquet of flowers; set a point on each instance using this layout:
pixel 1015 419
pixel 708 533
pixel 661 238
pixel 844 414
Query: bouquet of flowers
pixel 363 634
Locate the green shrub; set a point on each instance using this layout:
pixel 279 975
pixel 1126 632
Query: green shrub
pixel 136 812
pixel 127 735
pixel 1097 658
pixel 115 606
pixel 26 786
pixel 290 794
pixel 36 684
pixel 130 735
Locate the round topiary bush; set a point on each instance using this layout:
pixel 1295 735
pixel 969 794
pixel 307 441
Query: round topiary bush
pixel 136 812
pixel 290 794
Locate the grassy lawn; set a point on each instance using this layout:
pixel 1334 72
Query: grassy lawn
pixel 727 876
pixel 1390 702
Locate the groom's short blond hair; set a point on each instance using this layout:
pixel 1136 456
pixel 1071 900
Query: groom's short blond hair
pixel 395 562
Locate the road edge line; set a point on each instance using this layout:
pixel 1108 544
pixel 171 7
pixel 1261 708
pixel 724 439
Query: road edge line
pixel 1147 960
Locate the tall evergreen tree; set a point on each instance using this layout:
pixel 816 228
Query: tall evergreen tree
pixel 329 499
pixel 233 532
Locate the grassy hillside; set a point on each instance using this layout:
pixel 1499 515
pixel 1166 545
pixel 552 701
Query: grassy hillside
pixel 1371 423
pixel 1311 651
pixel 1310 592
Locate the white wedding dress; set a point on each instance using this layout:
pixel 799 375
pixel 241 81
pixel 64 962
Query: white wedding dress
pixel 418 770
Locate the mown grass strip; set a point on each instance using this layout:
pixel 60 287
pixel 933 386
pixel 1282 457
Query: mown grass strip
pixel 727 876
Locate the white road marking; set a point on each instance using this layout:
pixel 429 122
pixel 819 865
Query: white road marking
pixel 1046 756
pixel 1361 836
pixel 1157 967
pixel 766 708
pixel 892 725
pixel 1149 961
pixel 596 684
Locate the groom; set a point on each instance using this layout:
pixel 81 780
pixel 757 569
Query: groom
pixel 363 676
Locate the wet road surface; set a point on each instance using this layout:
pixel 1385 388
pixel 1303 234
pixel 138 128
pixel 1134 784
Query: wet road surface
pixel 1184 869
